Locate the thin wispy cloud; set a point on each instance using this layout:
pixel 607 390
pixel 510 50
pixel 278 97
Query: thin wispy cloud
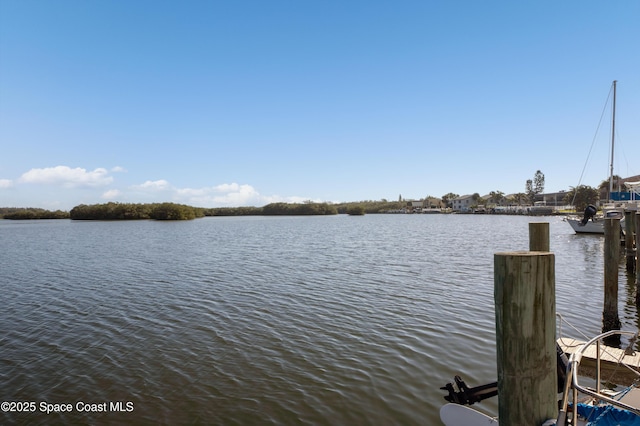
pixel 222 195
pixel 111 194
pixel 153 185
pixel 6 183
pixel 68 177
pixel 229 195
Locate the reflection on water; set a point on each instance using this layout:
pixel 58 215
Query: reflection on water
pixel 319 320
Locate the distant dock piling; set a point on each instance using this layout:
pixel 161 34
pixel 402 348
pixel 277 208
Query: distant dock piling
pixel 610 318
pixel 539 236
pixel 637 248
pixel 629 228
pixel 524 294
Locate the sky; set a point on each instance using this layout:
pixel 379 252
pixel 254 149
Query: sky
pixel 243 103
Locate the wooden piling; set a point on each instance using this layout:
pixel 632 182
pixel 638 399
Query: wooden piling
pixel 637 251
pixel 539 236
pixel 524 294
pixel 610 318
pixel 629 226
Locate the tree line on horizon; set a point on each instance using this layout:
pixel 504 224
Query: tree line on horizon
pixel 164 211
pixel 25 213
pixel 173 211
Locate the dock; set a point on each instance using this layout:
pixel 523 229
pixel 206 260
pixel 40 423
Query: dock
pixel 611 358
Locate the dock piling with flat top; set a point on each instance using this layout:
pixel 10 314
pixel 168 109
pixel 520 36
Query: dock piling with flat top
pixel 524 294
pixel 610 318
pixel 539 236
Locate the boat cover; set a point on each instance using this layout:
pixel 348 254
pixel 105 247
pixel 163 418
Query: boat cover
pixel 607 415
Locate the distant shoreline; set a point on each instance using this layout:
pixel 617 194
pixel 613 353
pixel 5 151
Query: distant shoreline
pixel 173 211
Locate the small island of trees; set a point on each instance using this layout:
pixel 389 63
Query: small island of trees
pixel 32 213
pixel 128 211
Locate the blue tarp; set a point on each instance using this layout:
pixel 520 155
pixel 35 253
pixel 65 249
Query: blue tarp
pixel 624 196
pixel 607 415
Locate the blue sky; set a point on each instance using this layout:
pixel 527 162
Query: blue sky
pixel 231 103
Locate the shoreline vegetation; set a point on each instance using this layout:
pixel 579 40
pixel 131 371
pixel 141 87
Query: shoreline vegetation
pixel 174 211
pixel 20 213
pixel 166 211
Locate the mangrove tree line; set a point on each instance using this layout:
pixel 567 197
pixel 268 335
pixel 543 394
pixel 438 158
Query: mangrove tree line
pixel 32 213
pixel 128 211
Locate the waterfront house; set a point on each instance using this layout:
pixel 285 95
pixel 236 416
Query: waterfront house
pixel 551 199
pixel 427 204
pixel 414 206
pixel 462 203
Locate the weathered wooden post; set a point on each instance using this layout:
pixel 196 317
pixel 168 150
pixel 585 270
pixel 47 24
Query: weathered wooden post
pixel 629 227
pixel 539 236
pixel 610 319
pixel 525 304
pixel 637 252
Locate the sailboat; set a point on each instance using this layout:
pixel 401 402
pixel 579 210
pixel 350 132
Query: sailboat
pixel 596 225
pixel 589 224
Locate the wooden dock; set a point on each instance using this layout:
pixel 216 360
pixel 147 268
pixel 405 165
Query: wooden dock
pixel 611 358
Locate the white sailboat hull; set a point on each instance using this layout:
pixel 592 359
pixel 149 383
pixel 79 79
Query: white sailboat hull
pixel 597 226
pixel 590 227
pixel 460 415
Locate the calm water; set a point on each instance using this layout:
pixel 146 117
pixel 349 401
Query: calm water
pixel 289 320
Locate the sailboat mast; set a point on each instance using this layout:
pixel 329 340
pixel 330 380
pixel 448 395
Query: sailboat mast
pixel 613 137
